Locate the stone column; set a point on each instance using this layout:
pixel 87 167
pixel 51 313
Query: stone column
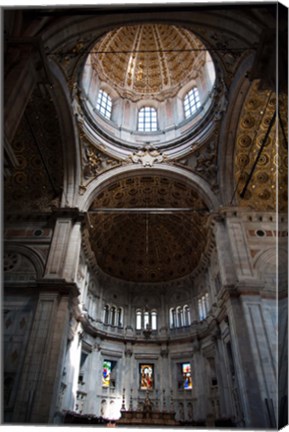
pixel 127 381
pixel 42 368
pixel 225 385
pixel 199 382
pixel 165 379
pixel 93 403
pixel 72 366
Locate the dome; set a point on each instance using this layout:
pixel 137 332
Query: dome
pixel 149 60
pixel 147 83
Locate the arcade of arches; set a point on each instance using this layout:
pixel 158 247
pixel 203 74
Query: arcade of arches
pixel 145 216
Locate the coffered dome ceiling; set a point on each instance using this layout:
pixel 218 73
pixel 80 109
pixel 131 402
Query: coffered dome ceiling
pixel 148 60
pixel 146 247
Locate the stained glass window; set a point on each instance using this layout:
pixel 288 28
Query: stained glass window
pixel 147 119
pixel 104 104
pixel 187 377
pixel 106 373
pixel 191 102
pixel 146 377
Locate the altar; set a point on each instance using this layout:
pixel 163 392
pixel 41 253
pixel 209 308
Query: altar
pixel 147 416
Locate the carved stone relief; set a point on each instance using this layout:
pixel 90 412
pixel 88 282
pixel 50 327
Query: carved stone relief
pixel 95 162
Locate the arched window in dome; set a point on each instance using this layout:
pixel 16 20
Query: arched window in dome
pixel 191 102
pixel 147 119
pixel 104 104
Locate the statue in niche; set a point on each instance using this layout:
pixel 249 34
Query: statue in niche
pixel 75 104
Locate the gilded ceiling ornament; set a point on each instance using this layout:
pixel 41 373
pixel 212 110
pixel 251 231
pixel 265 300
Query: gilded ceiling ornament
pixel 261 193
pixel 95 162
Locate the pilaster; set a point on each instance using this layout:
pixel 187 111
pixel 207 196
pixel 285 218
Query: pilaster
pixel 64 254
pixel 42 368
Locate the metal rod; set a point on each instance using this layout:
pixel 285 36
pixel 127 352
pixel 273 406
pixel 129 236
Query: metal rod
pixel 147 210
pixel 241 49
pixel 283 130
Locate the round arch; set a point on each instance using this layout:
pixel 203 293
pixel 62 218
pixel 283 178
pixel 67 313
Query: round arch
pixel 30 254
pixel 191 179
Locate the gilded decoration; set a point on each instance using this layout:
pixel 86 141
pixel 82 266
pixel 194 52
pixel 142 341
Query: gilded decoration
pixel 36 181
pixel 94 161
pixel 270 172
pixel 148 60
pixel 148 247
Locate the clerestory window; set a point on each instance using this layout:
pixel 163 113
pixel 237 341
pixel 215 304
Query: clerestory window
pixel 191 102
pixel 104 104
pixel 146 319
pixel 147 119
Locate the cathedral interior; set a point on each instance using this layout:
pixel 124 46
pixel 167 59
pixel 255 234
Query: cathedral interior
pixel 145 215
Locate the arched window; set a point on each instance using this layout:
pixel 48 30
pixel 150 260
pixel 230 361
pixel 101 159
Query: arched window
pixel 173 318
pixel 113 315
pixel 104 104
pixel 119 317
pixel 106 313
pixel 138 319
pixel 180 317
pixel 191 102
pixel 147 119
pixel 146 319
pixel 154 320
pixel 207 302
pixel 203 305
pixel 187 316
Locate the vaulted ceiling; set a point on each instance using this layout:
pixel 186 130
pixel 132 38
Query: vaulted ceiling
pixel 148 246
pixel 162 246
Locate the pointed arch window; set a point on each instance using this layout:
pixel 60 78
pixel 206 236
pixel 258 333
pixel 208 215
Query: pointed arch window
pixel 147 119
pixel 191 102
pixel 104 104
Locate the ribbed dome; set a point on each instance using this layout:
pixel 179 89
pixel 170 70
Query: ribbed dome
pixel 148 60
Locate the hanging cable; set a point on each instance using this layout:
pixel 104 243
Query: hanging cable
pixel 251 146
